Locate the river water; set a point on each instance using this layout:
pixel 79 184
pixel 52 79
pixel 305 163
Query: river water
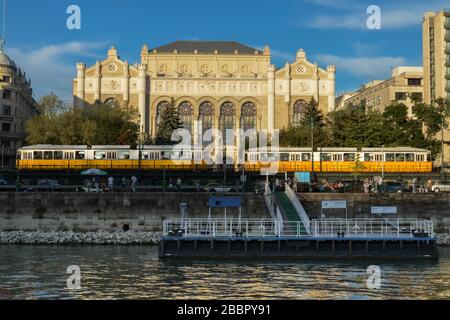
pixel 134 272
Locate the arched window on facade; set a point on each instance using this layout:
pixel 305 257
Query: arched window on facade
pixel 186 114
pixel 112 102
pixel 206 116
pixel 248 116
pixel 227 117
pixel 299 107
pixel 160 109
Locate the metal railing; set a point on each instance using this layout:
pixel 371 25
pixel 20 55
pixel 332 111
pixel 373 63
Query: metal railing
pixel 252 228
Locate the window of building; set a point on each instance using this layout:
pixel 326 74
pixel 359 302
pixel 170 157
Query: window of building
pixel 160 110
pixel 206 116
pixel 299 107
pixel 248 116
pixel 414 82
pixel 416 96
pixel 400 96
pixel 7 94
pixel 186 113
pixel 112 102
pixel 7 79
pixel 227 117
pixel 5 143
pixel 6 110
pixel 6 127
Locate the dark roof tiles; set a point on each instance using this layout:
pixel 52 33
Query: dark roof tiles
pixel 206 47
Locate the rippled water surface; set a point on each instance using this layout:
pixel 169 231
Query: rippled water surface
pixel 136 273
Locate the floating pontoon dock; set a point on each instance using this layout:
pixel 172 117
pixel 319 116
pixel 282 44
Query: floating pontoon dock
pixel 320 239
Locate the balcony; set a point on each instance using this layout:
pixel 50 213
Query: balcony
pixel 13 135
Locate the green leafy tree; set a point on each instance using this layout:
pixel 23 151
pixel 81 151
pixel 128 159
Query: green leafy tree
pixel 300 136
pixel 170 121
pixel 99 124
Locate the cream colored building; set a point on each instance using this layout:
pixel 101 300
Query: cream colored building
pixel 223 84
pixel 436 62
pixel 405 84
pixel 16 107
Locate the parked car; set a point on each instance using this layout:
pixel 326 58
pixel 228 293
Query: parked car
pixel 3 182
pixel 88 189
pixel 394 187
pixel 217 187
pixel 441 186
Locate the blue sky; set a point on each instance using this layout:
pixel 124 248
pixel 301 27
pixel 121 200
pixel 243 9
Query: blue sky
pixel 331 32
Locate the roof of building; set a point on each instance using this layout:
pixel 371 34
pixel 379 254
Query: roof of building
pixel 206 47
pixel 5 60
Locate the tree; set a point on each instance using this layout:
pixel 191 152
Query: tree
pixel 300 136
pixel 400 129
pixel 99 124
pixel 170 121
pixel 433 119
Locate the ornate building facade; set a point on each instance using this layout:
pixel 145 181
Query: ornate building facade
pixel 223 84
pixel 16 107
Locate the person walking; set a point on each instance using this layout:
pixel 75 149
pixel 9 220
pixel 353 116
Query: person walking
pixel 97 183
pixel 179 183
pixel 111 184
pixel 133 183
pixel 124 183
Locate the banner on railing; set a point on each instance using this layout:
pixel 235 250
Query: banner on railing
pixel 337 204
pixel 384 210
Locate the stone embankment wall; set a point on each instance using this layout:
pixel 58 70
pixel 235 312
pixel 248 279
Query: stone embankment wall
pixel 90 212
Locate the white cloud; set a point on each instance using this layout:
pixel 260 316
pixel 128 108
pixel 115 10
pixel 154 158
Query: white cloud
pixel 368 67
pixel 51 67
pixel 394 14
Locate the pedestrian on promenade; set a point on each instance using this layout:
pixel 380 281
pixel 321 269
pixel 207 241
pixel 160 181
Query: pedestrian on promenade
pixel 179 183
pixel 414 183
pixel 111 184
pixel 133 183
pixel 97 184
pixel 124 183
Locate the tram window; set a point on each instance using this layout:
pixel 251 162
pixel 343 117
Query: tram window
pixel 399 157
pixel 144 155
pixel 37 155
pixel 390 157
pixel 368 157
pixel 326 156
pixel 99 155
pixel 68 155
pixel 111 155
pixel 58 155
pixel 337 157
pixel 18 157
pixel 349 157
pixel 48 155
pixel 165 155
pixel 284 156
pixel 124 155
pixel 306 156
pixel 378 157
pixel 420 157
pixel 80 155
pixel 409 157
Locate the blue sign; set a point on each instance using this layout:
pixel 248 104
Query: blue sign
pixel 303 177
pixel 224 202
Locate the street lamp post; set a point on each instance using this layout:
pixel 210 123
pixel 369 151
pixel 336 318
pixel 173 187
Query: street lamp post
pixel 312 152
pixel 442 148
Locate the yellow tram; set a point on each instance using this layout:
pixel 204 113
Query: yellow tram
pixel 333 160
